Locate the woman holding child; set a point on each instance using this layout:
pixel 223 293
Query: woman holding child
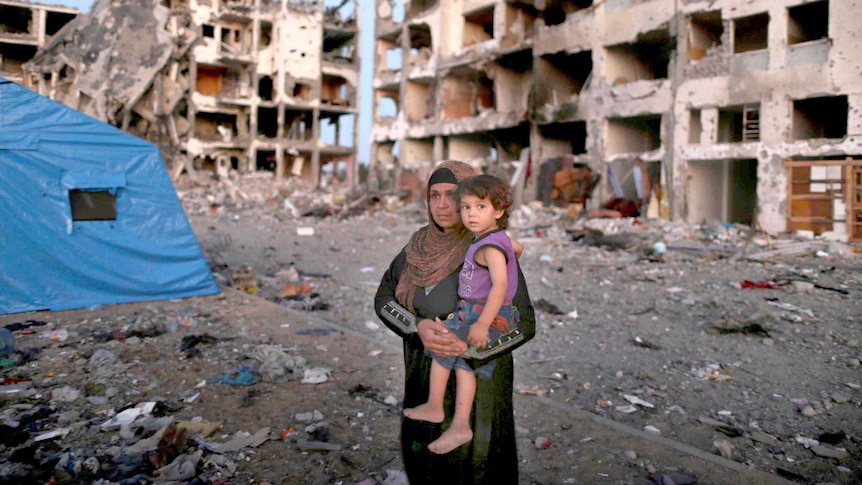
pixel 420 285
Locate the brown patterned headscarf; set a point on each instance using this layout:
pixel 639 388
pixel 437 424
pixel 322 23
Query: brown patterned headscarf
pixel 433 254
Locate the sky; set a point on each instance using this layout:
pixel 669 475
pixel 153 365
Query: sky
pixel 365 74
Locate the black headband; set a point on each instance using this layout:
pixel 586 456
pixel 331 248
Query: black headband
pixel 442 176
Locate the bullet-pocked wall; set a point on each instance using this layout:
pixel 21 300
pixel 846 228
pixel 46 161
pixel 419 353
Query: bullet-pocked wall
pixel 681 93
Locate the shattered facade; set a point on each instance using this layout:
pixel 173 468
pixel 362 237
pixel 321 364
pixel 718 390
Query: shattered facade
pixel 696 110
pixel 24 29
pixel 219 85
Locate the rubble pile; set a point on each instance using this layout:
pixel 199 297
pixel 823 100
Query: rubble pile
pixel 294 197
pixel 738 343
pixel 130 398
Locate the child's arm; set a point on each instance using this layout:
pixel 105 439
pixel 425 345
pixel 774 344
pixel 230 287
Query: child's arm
pixel 495 260
pixel 518 247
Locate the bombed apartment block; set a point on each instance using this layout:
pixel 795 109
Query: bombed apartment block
pixel 219 85
pixel 24 28
pixel 728 112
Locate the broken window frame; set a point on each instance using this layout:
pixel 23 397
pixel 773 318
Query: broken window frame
pixel 642 125
pixel 475 23
pixel 702 29
pixel 739 123
pixel 754 30
pixel 803 19
pixel 831 117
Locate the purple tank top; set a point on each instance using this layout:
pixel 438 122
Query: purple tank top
pixel 474 281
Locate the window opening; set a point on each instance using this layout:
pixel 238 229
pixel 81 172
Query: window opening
pixel 750 33
pixel 807 22
pixel 93 205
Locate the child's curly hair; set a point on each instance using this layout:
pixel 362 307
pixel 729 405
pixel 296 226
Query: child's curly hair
pixel 492 188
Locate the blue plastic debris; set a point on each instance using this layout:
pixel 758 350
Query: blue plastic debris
pixel 244 377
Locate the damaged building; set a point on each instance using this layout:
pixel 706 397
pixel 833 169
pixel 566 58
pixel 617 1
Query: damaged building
pixel 218 85
pixel 24 29
pixel 730 111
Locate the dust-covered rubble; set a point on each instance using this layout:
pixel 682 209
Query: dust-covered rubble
pixel 739 343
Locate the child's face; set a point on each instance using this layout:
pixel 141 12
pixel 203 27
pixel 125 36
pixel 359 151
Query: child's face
pixel 479 215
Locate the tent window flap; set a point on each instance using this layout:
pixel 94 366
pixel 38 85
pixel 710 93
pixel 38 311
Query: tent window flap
pixel 93 205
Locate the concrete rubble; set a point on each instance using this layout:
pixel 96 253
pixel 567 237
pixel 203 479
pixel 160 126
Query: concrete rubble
pixel 80 401
pixel 254 86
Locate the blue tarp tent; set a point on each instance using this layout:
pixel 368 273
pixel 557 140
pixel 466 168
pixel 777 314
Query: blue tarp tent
pixel 88 213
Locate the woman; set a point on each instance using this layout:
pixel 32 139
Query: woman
pixel 421 284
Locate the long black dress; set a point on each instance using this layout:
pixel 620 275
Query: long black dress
pixel 491 457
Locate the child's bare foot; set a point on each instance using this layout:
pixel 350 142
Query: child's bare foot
pixel 452 438
pixel 425 412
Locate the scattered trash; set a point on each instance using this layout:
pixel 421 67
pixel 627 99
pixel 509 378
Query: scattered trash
pixel 244 279
pixel 306 302
pixel 711 372
pixel 762 285
pixel 127 416
pixel 638 401
pixel 316 375
pixel 806 442
pixel 294 289
pixel 533 391
pixel 547 307
pixel 730 325
pixel 60 335
pixel 190 343
pixel 242 377
pixel 724 428
pixel 244 440
pixel 792 308
pixel 276 365
pixel 542 443
pixel 641 342
pixel 57 433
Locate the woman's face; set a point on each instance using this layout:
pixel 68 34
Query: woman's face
pixel 444 207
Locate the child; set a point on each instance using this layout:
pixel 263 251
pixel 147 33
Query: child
pixel 486 285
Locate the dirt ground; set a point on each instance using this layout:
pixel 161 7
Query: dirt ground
pixel 614 323
pixel 646 368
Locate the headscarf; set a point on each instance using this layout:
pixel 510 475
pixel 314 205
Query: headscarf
pixel 432 253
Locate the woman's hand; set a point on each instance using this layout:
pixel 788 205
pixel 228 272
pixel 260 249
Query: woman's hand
pixel 437 339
